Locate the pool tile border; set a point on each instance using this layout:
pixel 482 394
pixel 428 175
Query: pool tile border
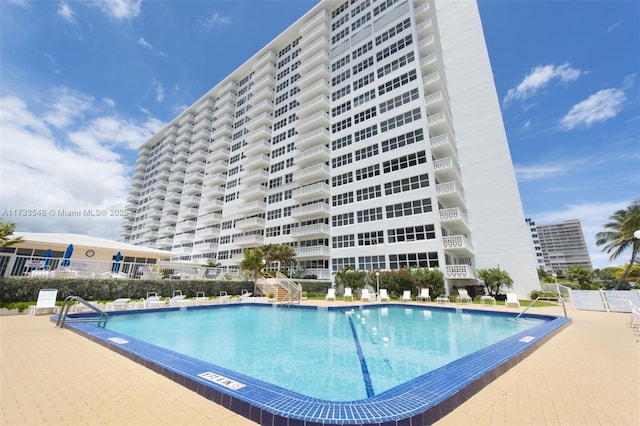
pixel 421 401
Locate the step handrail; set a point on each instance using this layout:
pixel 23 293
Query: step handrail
pixel 294 289
pixel 66 305
pixel 557 299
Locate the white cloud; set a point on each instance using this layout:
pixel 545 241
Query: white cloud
pixel 614 26
pixel 598 107
pixel 144 43
pixel 68 105
pixel 119 9
pixel 538 172
pixel 66 12
pixel 21 3
pixel 159 90
pixel 216 20
pixel 48 173
pixel 540 77
pixel 592 217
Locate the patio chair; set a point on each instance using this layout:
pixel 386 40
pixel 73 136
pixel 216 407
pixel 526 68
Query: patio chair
pixel 153 299
pixel 512 299
pixel 364 295
pixel 178 298
pixel 46 301
pixel 118 304
pixel 406 296
pixel 463 296
pixel 244 297
pixel 224 297
pixel 348 292
pixel 331 294
pixel 201 299
pixel 486 298
pixel 424 295
pixel 384 295
pixel 635 313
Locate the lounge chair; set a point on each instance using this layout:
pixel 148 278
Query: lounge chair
pixel 46 301
pixel 178 298
pixel 118 304
pixel 331 294
pixel 244 297
pixel 512 299
pixel 424 295
pixel 224 297
pixel 384 295
pixel 364 295
pixel 348 292
pixel 486 298
pixel 463 296
pixel 406 296
pixel 153 299
pixel 201 299
pixel 635 313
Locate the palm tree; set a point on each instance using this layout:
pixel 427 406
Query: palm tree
pixel 619 237
pixel 285 255
pixel 6 234
pixel 581 275
pixel 253 262
pixel 494 279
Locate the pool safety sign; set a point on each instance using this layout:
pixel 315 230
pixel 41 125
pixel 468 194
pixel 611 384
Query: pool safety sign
pixel 221 380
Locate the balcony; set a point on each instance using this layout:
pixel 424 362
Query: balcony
pixel 256 177
pixel 168 218
pixel 317 230
pixel 249 240
pixel 311 139
pixel 173 197
pixel 188 213
pixel 311 192
pixel 311 211
pixel 266 81
pixel 267 58
pixel 450 192
pixel 229 87
pixel 202 135
pixel 217 166
pixel 264 106
pixel 320 58
pixel 171 208
pixel 213 191
pixel 181 157
pixel 435 102
pixel 194 178
pixel 200 155
pixel 263 119
pixel 171 131
pixel 423 10
pixel 252 207
pixel 223 109
pixel 266 69
pixel 459 272
pixel 201 145
pixel 262 132
pixel 183 146
pixel 175 186
pixel 219 144
pixel 187 119
pixel 257 148
pixel 220 132
pixel 185 226
pixel 190 201
pixel 215 179
pixel 318 120
pixel 254 192
pixel 312 174
pixel 208 104
pixel 313 252
pixel 223 119
pixel 265 93
pixel 250 224
pixel 167 231
pixel 208 205
pixel 446 169
pixel 202 125
pixel 210 219
pixel 257 162
pixel 321 72
pixel 182 238
pixel 133 198
pixel 320 18
pixel 457 244
pixel 320 87
pixel 308 108
pixel 454 217
pixel 192 189
pixel 205 247
pixel 179 167
pixel 438 123
pixel 319 154
pixel 181 250
pixel 184 137
pixel 218 155
pixel 195 167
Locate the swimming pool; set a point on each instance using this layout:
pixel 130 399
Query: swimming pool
pixel 406 375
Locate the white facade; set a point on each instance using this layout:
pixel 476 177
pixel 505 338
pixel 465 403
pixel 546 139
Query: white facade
pixel 368 134
pixel 563 245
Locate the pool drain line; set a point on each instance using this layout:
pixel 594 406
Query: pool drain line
pixel 363 363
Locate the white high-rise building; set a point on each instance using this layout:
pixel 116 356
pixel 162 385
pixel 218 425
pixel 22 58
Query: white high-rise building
pixel 368 134
pixel 563 245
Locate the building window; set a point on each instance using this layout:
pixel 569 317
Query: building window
pixel 407 184
pixel 422 260
pixel 411 233
pixel 371 263
pixel 369 215
pixel 368 193
pixel 409 208
pixel 370 238
pixel 402 140
pixel 340 199
pixel 342 219
pixel 404 162
pixel 342 241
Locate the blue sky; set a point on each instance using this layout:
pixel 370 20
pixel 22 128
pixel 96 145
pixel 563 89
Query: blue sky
pixel 84 83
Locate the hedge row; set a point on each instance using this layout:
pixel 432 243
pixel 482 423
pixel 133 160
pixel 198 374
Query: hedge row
pixel 24 289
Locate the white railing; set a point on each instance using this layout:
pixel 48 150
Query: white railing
pixel 459 271
pixel 294 289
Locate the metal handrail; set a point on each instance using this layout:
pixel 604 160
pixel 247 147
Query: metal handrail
pixel 66 305
pixel 557 299
pixel 294 289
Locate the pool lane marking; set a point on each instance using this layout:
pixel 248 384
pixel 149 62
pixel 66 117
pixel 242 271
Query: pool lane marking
pixel 363 364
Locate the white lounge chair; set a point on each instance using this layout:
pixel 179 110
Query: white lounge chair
pixel 178 298
pixel 224 297
pixel 331 294
pixel 384 295
pixel 424 295
pixel 635 313
pixel 153 300
pixel 406 296
pixel 46 301
pixel 364 295
pixel 486 298
pixel 118 304
pixel 512 299
pixel 244 297
pixel 348 292
pixel 201 299
pixel 463 296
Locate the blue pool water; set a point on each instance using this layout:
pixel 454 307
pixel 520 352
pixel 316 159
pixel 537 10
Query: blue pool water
pixel 333 355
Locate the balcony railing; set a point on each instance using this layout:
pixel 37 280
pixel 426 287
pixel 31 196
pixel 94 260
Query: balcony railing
pixel 459 271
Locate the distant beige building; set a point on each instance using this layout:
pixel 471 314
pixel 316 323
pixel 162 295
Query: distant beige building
pixel 563 245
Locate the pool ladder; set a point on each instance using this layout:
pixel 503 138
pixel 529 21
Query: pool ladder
pixel 101 318
pixel 557 299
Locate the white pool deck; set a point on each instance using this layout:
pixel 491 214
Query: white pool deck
pixel 588 374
